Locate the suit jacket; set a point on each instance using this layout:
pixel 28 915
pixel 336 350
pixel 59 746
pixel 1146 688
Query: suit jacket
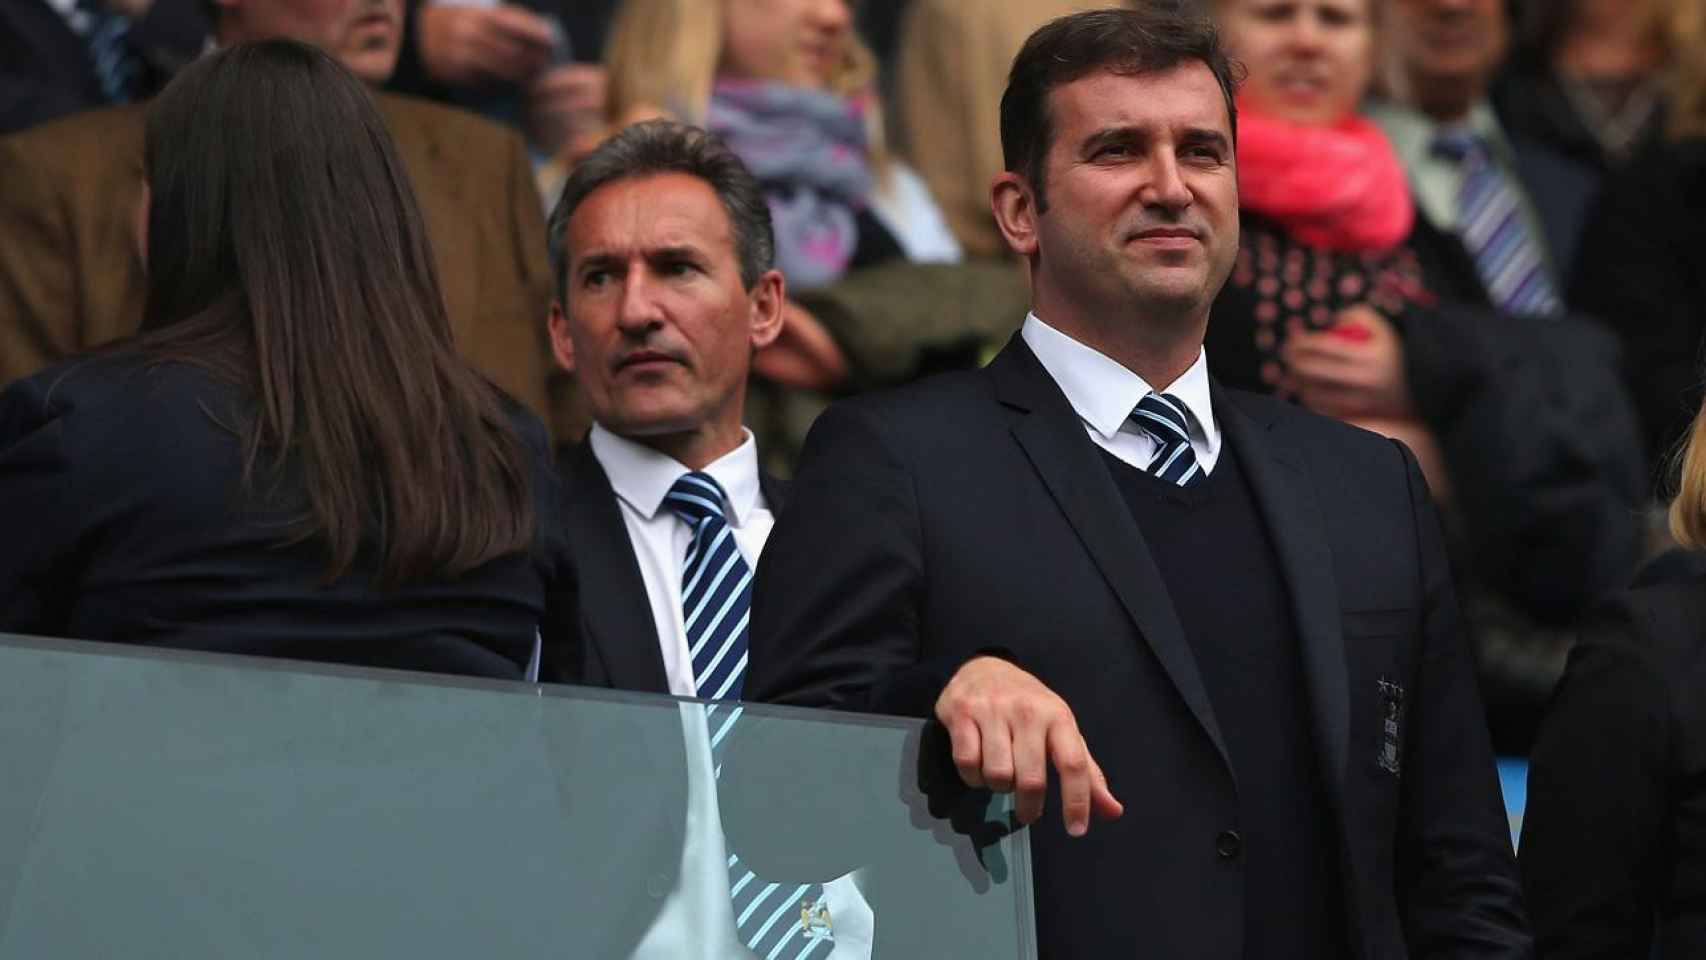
pixel 127 521
pixel 971 512
pixel 618 639
pixel 46 71
pixel 71 276
pixel 1613 846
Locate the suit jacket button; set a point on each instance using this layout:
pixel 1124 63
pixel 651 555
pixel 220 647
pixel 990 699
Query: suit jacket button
pixel 1229 844
pixel 658 886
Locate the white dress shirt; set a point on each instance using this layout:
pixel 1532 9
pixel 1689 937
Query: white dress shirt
pixel 642 477
pixel 1104 393
pixel 697 920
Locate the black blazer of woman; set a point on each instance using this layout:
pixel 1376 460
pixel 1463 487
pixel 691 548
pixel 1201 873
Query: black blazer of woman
pixel 124 517
pixel 1613 847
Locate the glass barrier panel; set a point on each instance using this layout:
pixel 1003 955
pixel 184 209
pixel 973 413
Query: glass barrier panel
pixel 180 805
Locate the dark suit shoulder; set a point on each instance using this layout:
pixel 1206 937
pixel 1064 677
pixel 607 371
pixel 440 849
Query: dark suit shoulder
pixel 1313 431
pixel 923 411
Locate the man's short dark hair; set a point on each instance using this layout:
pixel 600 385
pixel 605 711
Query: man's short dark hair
pixel 1150 37
pixel 664 146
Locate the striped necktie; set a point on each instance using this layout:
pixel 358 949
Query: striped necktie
pixel 1494 230
pixel 777 921
pixel 1163 417
pixel 107 35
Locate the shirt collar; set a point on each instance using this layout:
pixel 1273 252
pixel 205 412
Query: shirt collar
pixel 1412 132
pixel 1104 392
pixel 642 477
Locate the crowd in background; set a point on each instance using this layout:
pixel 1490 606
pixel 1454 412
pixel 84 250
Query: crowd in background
pixel 1469 225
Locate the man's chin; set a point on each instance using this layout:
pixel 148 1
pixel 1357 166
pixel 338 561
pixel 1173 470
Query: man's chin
pixel 373 66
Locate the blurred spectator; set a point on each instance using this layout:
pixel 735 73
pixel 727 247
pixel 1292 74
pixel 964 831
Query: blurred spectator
pixel 953 64
pixel 61 56
pixel 1518 420
pixel 532 64
pixel 1643 263
pixel 70 277
pixel 1585 78
pixel 1440 59
pixel 262 469
pixel 1613 844
pixel 789 86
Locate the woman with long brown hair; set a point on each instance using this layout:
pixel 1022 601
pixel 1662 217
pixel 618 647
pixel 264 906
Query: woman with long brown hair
pixel 289 459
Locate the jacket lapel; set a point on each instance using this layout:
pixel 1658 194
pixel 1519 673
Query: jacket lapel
pixel 616 616
pixel 1297 527
pixel 1053 439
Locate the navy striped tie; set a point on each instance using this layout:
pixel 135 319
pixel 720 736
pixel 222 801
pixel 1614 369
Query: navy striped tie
pixel 107 35
pixel 777 921
pixel 1163 417
pixel 1495 232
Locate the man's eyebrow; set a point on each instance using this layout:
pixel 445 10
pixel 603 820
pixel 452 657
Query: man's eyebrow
pixel 1121 134
pixel 683 251
pixel 1199 136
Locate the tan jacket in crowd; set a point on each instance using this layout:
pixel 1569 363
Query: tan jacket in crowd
pixel 954 59
pixel 71 276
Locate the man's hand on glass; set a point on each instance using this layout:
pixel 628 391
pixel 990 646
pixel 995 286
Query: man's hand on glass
pixel 1007 728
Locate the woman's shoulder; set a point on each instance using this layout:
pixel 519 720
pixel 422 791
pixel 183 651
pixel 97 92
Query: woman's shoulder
pixel 1658 627
pixel 91 400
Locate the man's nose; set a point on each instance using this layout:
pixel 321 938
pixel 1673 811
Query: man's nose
pixel 1165 187
pixel 638 309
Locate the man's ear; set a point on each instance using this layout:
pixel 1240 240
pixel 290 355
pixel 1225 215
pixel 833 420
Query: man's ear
pixel 562 347
pixel 1015 208
pixel 767 298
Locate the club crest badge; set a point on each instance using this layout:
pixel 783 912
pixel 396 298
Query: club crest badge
pixel 814 919
pixel 1391 720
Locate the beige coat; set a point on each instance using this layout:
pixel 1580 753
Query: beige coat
pixel 71 276
pixel 953 66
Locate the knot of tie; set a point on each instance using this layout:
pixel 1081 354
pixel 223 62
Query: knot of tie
pixel 695 498
pixel 1460 145
pixel 1163 416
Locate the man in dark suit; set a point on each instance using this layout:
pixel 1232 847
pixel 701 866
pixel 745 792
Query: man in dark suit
pixel 664 256
pixel 61 56
pixel 71 276
pixel 1089 561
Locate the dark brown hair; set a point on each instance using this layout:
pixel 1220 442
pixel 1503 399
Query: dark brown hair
pixel 287 254
pixel 1151 37
pixel 664 146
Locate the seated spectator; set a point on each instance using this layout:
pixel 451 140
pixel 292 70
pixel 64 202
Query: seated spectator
pixel 1519 422
pixel 789 87
pixel 1643 263
pixel 70 277
pixel 1586 79
pixel 289 459
pixel 953 63
pixel 61 56
pixel 1440 58
pixel 1613 846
